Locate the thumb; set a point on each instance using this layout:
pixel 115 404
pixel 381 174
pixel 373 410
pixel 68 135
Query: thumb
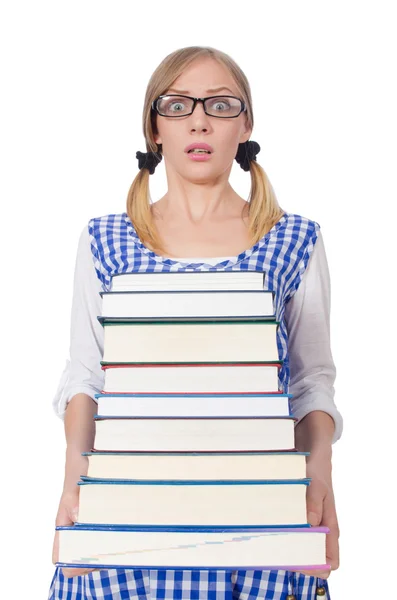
pixel 314 505
pixel 314 517
pixel 66 515
pixel 74 513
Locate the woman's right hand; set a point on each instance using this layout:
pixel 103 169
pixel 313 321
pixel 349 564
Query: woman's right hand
pixel 67 515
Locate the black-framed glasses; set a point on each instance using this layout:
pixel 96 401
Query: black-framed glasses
pixel 174 106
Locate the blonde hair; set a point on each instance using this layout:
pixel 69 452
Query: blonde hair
pixel 263 210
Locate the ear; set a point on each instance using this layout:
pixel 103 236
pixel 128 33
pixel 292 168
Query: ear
pixel 245 136
pixel 155 131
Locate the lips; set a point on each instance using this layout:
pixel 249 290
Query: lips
pixel 199 146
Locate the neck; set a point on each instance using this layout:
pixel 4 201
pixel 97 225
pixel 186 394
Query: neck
pixel 198 204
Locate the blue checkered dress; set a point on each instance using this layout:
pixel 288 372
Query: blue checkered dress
pixel 120 584
pixel 283 254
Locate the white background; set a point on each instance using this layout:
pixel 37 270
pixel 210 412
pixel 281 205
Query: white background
pixel 73 76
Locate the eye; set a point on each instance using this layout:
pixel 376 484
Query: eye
pixel 171 105
pixel 220 105
pixel 176 106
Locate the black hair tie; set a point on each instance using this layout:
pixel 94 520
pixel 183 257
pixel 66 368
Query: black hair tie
pixel 247 152
pixel 148 160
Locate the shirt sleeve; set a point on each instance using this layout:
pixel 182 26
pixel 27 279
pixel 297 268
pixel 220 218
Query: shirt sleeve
pixel 83 373
pixel 307 317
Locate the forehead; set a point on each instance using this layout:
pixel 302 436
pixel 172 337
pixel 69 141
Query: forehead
pixel 204 77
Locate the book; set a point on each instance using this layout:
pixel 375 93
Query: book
pixel 194 434
pixel 172 548
pixel 193 405
pixel 194 443
pixel 193 503
pixel 181 304
pixel 179 378
pixel 196 465
pixel 212 341
pixel 185 280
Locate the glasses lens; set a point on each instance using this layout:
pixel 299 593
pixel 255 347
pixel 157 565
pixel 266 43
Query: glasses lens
pixel 177 106
pixel 174 106
pixel 223 106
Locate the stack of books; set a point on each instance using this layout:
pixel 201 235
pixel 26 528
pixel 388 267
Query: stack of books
pixel 194 462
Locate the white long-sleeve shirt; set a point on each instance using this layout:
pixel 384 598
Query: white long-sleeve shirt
pixel 307 316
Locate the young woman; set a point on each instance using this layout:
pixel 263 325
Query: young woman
pixel 198 96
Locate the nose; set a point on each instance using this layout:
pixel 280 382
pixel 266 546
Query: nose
pixel 198 117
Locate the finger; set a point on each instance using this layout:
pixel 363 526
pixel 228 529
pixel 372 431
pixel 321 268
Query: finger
pixel 321 511
pixel 314 573
pixel 314 502
pixel 330 520
pixel 64 517
pixel 70 572
pixel 71 513
pixel 62 520
pixel 74 513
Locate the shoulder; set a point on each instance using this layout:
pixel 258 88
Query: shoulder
pixel 105 221
pixel 107 231
pixel 302 223
pixel 299 234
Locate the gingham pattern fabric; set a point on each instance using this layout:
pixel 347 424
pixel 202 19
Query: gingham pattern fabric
pixel 283 254
pixel 121 584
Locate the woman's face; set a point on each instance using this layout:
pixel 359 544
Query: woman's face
pixel 205 77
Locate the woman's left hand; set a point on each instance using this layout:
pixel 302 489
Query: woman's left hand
pixel 321 511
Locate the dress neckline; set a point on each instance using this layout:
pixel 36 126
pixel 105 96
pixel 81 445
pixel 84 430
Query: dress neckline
pixel 223 264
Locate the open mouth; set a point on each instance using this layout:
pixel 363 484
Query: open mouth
pixel 198 151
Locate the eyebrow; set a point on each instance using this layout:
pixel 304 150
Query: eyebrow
pixel 210 91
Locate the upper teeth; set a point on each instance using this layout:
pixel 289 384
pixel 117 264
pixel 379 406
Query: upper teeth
pixel 199 150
